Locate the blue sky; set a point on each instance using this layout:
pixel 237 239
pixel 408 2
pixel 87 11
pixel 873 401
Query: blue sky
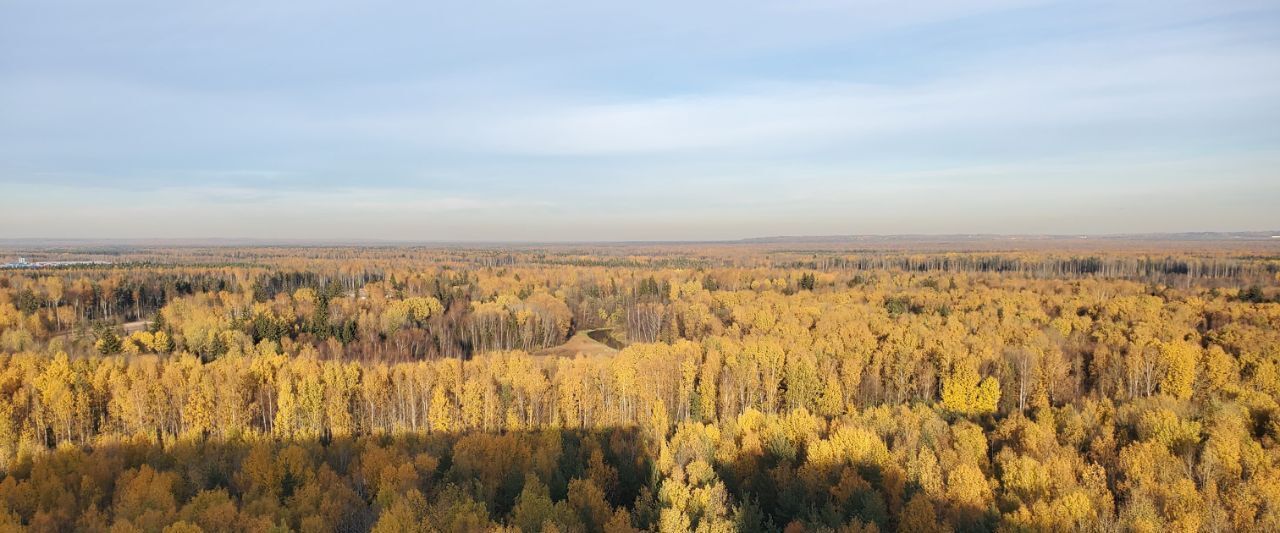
pixel 526 120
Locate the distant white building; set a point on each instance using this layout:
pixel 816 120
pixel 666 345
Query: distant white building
pixel 22 262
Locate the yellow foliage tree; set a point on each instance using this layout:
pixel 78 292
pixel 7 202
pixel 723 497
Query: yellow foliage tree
pixel 963 392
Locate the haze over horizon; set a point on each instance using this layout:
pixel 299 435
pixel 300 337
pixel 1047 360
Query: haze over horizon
pixel 574 121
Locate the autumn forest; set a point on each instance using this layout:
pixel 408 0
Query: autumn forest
pixel 672 388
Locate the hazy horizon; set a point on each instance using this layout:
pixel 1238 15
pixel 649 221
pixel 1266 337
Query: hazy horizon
pixel 836 241
pixel 571 121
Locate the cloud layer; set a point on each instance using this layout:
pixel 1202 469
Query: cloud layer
pixel 563 121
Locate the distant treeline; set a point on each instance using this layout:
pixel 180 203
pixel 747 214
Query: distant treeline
pixel 1136 268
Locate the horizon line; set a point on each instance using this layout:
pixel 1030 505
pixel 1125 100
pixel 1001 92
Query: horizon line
pixel 1208 235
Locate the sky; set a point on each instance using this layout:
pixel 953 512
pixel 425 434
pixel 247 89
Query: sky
pixel 657 120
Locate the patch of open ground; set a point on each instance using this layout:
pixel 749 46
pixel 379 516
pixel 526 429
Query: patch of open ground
pixel 128 327
pixel 582 343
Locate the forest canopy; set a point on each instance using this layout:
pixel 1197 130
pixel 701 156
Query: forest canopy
pixel 626 388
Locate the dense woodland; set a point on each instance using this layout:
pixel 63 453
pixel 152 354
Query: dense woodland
pixel 755 389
